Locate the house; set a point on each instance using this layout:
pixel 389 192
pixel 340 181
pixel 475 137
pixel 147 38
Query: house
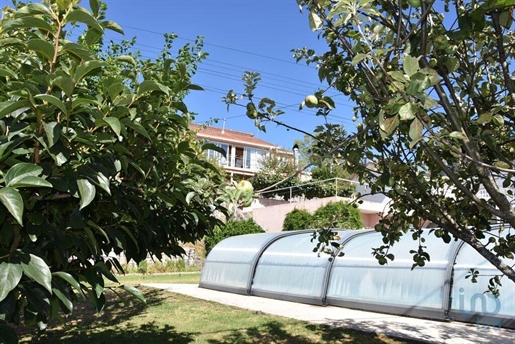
pixel 244 151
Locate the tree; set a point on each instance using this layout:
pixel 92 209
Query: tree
pixel 96 157
pixel 273 170
pixel 434 97
pixel 297 219
pixel 337 215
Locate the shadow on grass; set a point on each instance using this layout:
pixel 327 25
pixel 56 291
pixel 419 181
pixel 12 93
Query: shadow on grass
pixel 275 332
pixel 116 324
pixel 141 334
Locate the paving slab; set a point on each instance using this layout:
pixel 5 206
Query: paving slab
pixel 391 325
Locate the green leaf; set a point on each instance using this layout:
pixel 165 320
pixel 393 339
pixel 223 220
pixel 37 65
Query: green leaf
pixel 410 65
pixel 86 68
pixel 87 192
pixel 136 126
pixel 42 47
pixel 315 23
pixel 195 87
pixel 31 181
pixel 69 278
pixel 407 112
pixel 111 25
pixel 11 106
pixel 415 132
pixel 485 118
pixel 458 135
pixel 134 291
pixel 65 83
pixel 8 334
pixel 21 170
pixel 79 50
pixel 115 89
pixel 64 299
pixel 13 201
pixel 38 270
pixel 52 100
pixel 5 42
pixel 31 9
pixel 80 15
pixel 358 58
pixel 498 120
pixel 95 6
pixel 452 64
pixel 63 5
pixel 28 23
pixel 502 164
pixel 127 59
pixel 4 71
pixel 53 132
pixel 99 229
pixel 10 275
pixel 150 86
pixel 115 124
pixel 190 196
pixel 388 125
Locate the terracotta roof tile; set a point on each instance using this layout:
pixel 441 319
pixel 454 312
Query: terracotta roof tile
pixel 230 136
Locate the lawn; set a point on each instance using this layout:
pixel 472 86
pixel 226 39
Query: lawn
pixel 175 318
pixel 180 277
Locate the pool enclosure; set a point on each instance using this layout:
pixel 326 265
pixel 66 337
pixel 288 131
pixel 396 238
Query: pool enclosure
pixel 283 266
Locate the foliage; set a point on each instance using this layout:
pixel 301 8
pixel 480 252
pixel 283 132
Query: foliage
pixel 229 229
pixel 273 170
pixel 95 157
pixel 297 219
pixel 434 98
pixel 337 215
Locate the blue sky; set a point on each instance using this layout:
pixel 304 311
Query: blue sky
pixel 240 35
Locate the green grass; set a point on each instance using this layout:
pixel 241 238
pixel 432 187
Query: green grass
pixel 175 318
pixel 185 277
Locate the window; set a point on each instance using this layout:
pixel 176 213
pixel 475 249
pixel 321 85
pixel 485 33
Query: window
pixel 253 158
pixel 217 156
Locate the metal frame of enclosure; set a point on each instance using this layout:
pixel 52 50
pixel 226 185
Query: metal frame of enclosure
pixel 283 266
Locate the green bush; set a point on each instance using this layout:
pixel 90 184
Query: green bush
pixel 142 267
pixel 231 228
pixel 337 215
pixel 297 219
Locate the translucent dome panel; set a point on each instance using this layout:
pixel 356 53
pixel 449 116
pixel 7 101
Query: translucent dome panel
pixel 469 300
pixel 229 265
pixel 289 269
pixel 358 277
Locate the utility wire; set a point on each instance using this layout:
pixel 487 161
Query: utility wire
pixel 222 47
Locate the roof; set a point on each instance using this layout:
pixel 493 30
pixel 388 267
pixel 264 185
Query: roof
pixel 233 136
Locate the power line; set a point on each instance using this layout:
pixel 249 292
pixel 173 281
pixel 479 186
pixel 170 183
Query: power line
pixel 237 78
pixel 222 47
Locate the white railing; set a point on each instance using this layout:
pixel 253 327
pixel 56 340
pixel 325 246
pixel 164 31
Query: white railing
pixel 290 190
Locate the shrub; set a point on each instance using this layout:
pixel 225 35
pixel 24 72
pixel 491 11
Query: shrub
pixel 337 215
pixel 297 219
pixel 231 228
pixel 142 267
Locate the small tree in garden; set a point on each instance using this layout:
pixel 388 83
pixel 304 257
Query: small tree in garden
pixel 297 219
pixel 337 215
pixel 96 156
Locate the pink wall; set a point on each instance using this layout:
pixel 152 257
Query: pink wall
pixel 272 218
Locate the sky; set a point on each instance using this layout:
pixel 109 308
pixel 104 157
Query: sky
pixel 240 35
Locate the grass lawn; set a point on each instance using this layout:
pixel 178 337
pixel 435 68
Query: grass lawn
pixel 175 318
pixel 184 277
